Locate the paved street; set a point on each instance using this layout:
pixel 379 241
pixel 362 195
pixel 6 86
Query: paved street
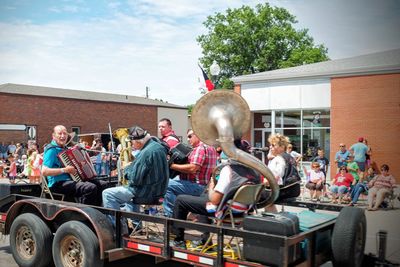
pixel 376 221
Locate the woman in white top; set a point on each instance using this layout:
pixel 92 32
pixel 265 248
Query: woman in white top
pixel 278 165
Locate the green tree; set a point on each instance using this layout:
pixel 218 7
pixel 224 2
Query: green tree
pixel 247 40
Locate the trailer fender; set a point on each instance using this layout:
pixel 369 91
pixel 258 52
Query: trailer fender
pixel 60 212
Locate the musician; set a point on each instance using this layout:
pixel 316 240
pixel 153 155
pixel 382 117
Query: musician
pixel 59 179
pixel 147 175
pixel 194 175
pixel 232 176
pixel 167 134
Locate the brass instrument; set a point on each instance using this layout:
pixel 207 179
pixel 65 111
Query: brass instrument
pixel 220 117
pixel 125 154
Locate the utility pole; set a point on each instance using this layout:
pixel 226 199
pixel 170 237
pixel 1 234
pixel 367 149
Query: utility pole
pixel 147 92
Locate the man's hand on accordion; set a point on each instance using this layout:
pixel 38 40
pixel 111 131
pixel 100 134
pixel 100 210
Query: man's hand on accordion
pixel 70 170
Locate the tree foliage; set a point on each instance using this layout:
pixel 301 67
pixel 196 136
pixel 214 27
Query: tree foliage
pixel 247 40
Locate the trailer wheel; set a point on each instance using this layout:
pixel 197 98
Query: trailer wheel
pixel 30 241
pixel 75 245
pixel 348 237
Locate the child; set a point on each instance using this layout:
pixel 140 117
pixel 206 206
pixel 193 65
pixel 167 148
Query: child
pixel 316 181
pixel 12 171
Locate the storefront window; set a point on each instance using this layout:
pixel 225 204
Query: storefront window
pixel 262 120
pixel 288 119
pixel 316 118
pixel 314 139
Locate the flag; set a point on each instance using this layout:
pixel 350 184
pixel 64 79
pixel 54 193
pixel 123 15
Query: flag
pixel 209 84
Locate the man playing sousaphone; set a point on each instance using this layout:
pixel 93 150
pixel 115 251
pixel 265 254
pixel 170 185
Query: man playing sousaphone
pixel 58 176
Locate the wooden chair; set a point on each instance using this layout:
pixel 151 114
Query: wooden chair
pixel 249 195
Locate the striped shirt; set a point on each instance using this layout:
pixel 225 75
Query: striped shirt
pixel 381 181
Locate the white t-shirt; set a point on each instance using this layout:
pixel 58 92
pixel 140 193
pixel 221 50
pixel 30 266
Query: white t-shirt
pixel 316 176
pixel 225 178
pixel 277 166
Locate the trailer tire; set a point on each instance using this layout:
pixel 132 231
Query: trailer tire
pixel 75 244
pixel 30 241
pixel 348 237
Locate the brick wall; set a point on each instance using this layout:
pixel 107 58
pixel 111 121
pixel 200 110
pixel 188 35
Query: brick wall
pixel 368 106
pixel 90 116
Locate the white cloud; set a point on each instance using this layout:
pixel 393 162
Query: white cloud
pixel 153 43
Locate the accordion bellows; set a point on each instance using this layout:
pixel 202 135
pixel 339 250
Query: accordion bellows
pixel 79 159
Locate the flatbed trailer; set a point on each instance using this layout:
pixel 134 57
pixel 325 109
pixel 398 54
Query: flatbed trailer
pixel 82 235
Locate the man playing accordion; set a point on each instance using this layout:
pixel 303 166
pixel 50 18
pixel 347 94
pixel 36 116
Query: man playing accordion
pixel 59 179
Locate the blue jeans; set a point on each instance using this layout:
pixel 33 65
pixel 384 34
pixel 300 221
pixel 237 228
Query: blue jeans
pixel 97 167
pixel 341 190
pixel 106 167
pixel 116 197
pixel 176 188
pixel 357 190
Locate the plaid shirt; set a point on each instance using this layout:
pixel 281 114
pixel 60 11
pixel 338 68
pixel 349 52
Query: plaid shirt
pixel 204 156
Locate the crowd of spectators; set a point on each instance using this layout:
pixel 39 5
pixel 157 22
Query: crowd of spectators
pixel 20 161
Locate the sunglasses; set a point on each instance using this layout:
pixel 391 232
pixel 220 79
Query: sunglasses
pixel 341 146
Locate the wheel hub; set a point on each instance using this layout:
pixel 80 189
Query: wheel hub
pixel 71 252
pixel 26 245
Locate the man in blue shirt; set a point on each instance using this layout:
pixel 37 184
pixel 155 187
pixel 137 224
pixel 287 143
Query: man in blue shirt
pixel 341 157
pixel 58 176
pixel 359 151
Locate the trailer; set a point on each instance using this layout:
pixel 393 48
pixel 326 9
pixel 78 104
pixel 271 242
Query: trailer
pixel 81 235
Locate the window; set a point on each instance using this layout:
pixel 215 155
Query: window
pixel 77 131
pixel 288 119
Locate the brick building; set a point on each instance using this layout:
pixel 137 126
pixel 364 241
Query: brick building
pixel 41 108
pixel 326 103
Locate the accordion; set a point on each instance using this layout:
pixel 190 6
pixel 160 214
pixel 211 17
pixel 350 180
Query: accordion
pixel 79 159
pixel 178 154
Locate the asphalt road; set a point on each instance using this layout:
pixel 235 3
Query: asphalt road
pixel 6 259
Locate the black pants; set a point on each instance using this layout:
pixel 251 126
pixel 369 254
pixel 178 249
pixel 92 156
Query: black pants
pixel 195 204
pixel 88 192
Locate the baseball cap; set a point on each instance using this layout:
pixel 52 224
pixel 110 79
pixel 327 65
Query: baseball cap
pixel 136 133
pixel 360 139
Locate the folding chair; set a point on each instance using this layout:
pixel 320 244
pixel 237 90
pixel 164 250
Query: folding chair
pixel 249 195
pixel 46 190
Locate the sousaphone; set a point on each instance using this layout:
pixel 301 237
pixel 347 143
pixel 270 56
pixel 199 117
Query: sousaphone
pixel 220 117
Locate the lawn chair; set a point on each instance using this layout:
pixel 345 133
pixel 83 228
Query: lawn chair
pixel 249 195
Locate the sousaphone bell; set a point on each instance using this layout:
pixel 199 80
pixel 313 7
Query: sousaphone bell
pixel 220 117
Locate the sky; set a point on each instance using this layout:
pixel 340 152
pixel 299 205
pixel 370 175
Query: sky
pixel 122 47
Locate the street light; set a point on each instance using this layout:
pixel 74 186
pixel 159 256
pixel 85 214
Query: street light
pixel 215 70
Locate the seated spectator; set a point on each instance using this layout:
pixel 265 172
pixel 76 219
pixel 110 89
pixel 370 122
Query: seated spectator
pixel 380 187
pixel 361 186
pixel 315 181
pixel 231 177
pixel 341 184
pixel 322 160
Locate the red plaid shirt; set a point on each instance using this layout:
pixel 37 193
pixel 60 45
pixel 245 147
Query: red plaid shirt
pixel 204 156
